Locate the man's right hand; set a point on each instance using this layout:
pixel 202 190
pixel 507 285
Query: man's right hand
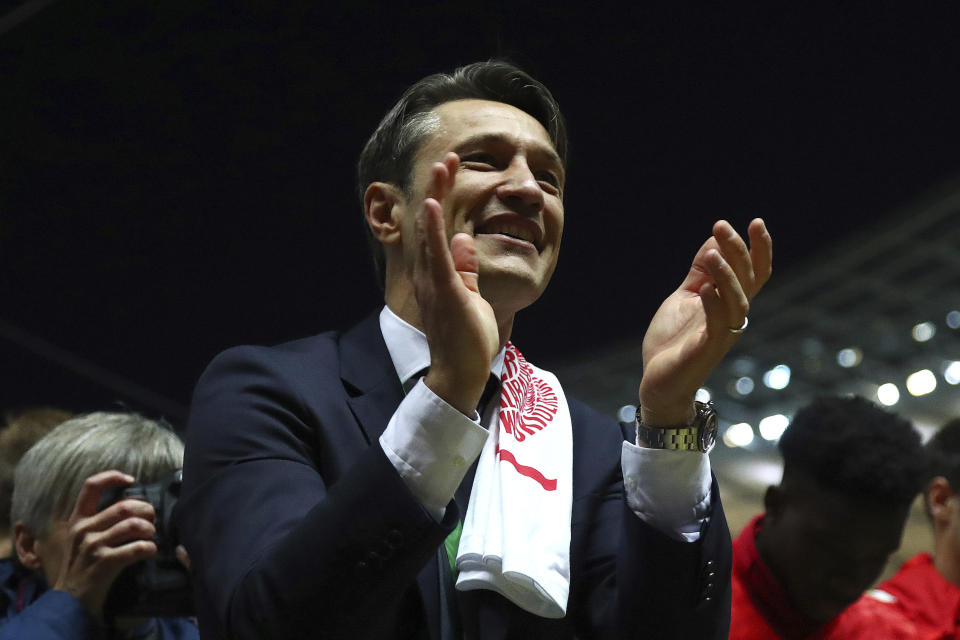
pixel 460 325
pixel 99 545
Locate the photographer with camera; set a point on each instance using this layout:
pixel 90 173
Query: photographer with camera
pixel 76 531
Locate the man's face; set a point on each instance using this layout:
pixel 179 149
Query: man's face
pixel 830 548
pixel 508 196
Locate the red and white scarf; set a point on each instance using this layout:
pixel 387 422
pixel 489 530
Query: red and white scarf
pixel 516 532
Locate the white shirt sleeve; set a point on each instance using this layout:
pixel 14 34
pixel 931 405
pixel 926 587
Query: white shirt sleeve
pixel 669 490
pixel 432 445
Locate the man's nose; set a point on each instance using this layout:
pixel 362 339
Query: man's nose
pixel 520 187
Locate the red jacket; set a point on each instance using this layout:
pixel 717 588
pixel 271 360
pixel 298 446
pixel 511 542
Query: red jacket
pixel 761 609
pixel 923 596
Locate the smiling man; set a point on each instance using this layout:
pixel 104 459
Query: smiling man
pixel 416 476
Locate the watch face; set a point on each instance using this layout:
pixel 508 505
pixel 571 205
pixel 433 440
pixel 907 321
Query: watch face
pixel 708 432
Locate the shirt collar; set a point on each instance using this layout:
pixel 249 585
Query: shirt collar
pixel 766 591
pixel 409 350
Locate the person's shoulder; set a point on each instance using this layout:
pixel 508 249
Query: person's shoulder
pixel 917 571
pixel 291 352
pixel 302 356
pixel 289 369
pixel 872 617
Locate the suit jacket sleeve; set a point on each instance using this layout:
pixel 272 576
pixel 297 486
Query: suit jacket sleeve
pixel 645 585
pixel 296 526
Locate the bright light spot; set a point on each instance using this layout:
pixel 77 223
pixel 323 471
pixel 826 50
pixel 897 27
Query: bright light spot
pixel 953 319
pixel 744 386
pixel 888 394
pixel 778 377
pixel 703 395
pixel 952 373
pixel 924 331
pixel 772 427
pixel 738 435
pixel 849 357
pixel 920 383
pixel 627 413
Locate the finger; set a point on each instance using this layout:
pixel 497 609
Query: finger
pixel 435 252
pixel 734 251
pixel 761 252
pixel 452 162
pixel 734 302
pixel 442 176
pixel 465 261
pixel 121 533
pixel 713 309
pixel 124 555
pixel 89 497
pixel 182 556
pixel 129 508
pixel 698 273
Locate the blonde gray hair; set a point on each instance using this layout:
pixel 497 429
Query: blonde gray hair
pixel 48 478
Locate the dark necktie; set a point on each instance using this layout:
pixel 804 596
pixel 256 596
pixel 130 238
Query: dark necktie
pixel 451 625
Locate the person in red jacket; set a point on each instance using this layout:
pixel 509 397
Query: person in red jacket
pixel 926 590
pixel 851 470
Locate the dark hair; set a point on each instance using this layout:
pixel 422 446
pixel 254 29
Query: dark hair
pixel 943 451
pixel 388 154
pixel 852 446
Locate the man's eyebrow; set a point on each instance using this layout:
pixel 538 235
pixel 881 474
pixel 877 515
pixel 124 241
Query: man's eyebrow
pixel 481 139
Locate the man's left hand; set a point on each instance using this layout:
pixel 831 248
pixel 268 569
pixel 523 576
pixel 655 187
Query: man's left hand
pixel 692 330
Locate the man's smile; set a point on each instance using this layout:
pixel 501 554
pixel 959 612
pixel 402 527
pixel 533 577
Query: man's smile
pixel 514 227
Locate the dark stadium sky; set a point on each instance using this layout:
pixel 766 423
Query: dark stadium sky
pixel 176 178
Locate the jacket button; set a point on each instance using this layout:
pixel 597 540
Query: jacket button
pixel 374 559
pixel 394 539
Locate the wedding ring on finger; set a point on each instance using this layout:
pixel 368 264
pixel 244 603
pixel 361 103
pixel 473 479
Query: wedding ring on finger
pixel 742 328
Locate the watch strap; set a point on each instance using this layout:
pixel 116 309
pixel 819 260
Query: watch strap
pixel 699 436
pixel 679 438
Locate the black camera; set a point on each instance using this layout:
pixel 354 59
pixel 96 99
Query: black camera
pixel 159 586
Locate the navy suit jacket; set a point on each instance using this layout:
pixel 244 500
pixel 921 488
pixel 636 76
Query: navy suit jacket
pixel 298 526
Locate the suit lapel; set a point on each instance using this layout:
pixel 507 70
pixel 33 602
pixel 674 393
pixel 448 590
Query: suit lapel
pixel 369 377
pixel 373 394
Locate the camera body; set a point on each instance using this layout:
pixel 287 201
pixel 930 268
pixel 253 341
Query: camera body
pixel 159 586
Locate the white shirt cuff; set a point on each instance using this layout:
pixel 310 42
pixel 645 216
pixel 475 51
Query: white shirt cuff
pixel 669 490
pixel 432 445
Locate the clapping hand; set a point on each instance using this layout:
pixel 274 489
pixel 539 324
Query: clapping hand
pixel 698 323
pixel 460 325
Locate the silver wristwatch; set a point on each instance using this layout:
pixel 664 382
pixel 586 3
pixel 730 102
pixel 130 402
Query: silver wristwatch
pixel 701 435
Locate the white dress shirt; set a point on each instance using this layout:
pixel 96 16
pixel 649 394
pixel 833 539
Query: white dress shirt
pixel 432 445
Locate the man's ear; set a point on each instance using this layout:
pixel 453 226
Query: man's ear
pixel 26 546
pixel 939 493
pixel 382 206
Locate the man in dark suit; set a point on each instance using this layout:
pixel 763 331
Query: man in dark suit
pixel 326 479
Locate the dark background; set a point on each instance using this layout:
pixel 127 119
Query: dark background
pixel 177 178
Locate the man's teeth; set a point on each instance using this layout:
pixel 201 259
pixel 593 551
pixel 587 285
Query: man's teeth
pixel 514 231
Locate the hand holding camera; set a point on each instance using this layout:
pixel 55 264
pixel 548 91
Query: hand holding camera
pixel 95 546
